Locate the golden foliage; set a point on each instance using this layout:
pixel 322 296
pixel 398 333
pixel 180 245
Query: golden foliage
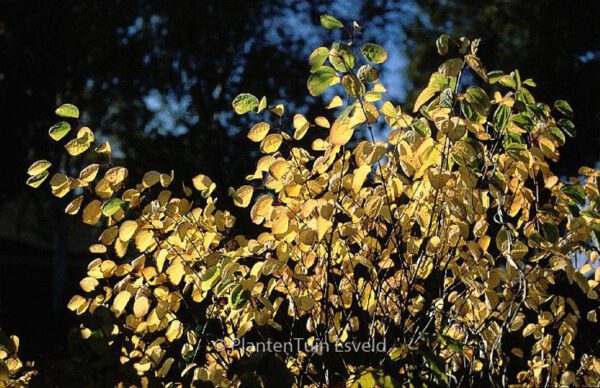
pixel 448 239
pixel 13 373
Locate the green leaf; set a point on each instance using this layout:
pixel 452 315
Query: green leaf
pixel 111 206
pixel 447 98
pixel 341 57
pixel 567 126
pixel 244 102
pixel 59 130
pixel 353 86
pixel 590 213
pixel 550 231
pixel 508 81
pixel 210 277
pixel 501 117
pixel 451 68
pixel 317 58
pixel 374 53
pixel 442 44
pixel 238 297
pixel 36 180
pixel 233 194
pixel 320 80
pixel 494 76
pixel 420 127
pixel 525 96
pixel 375 378
pixel 367 73
pixel 67 110
pixel 450 342
pixel 476 65
pixel 478 100
pixel 330 22
pixel 523 121
pixel 435 363
pixel 557 133
pixel 575 193
pixel 563 107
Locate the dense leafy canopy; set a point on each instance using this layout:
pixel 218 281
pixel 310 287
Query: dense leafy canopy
pixel 450 238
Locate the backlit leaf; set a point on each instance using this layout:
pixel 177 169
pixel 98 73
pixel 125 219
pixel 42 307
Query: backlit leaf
pixel 244 103
pixel 374 53
pixel 59 130
pixel 259 131
pixel 330 22
pixel 320 80
pixel 67 110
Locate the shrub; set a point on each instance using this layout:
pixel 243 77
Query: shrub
pixel 441 232
pixel 12 371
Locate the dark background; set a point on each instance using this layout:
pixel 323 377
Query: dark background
pixel 158 77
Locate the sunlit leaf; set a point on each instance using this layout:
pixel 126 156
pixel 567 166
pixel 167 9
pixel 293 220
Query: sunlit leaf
pixel 259 131
pixel 59 130
pixel 67 110
pixel 244 103
pixel 320 80
pixel 374 53
pixel 330 22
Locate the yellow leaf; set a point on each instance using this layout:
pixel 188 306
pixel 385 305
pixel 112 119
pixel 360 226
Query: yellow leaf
pixel 104 148
pixel 74 206
pixel 438 179
pixel 89 173
pixel 120 302
pixel 81 143
pixel 262 208
pixel 259 131
pixel 116 175
pixel 244 193
pixel 388 109
pixel 322 122
pixel 306 303
pixel 301 125
pixel 98 249
pixel 335 102
pixel 379 88
pixel 278 109
pixel 60 184
pixel 475 63
pixel 141 306
pixel 424 96
pixel 323 226
pixel 340 132
pixel 76 302
pixel 127 230
pixel 92 212
pixel 174 331
pixel 88 284
pixel 38 167
pixel 144 239
pixel 280 224
pixel 151 178
pixel 202 182
pixel 176 272
pixel 271 143
pixel 279 169
pixel 360 174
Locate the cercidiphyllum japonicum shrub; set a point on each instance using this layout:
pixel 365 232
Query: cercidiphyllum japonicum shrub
pixel 13 373
pixel 448 236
